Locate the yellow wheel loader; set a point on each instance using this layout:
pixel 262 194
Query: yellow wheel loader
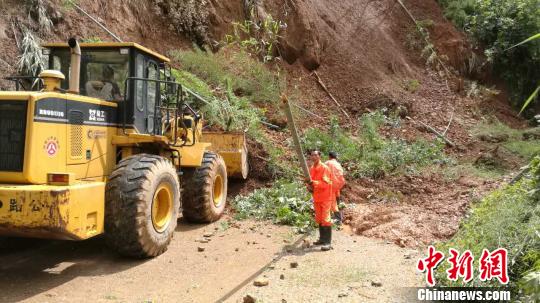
pixel 109 144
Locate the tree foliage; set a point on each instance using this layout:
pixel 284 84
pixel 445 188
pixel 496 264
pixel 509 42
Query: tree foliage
pixel 498 25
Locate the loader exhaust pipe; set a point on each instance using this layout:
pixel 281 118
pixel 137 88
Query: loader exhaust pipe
pixel 75 67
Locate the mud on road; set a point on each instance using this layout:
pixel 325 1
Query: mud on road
pixel 236 253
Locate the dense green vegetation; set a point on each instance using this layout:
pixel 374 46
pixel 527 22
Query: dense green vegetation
pixel 507 218
pixel 367 155
pixel 497 25
pixel 372 155
pixel 246 76
pixel 285 203
pixel 235 85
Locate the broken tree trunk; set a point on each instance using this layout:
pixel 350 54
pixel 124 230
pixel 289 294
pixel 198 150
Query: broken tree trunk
pixel 321 83
pixel 431 129
pixel 296 138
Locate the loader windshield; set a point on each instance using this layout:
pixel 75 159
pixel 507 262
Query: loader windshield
pixel 103 71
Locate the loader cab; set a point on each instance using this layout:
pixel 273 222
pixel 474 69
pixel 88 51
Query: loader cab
pixel 126 73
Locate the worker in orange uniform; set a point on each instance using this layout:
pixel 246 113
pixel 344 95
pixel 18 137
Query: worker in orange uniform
pixel 321 187
pixel 338 181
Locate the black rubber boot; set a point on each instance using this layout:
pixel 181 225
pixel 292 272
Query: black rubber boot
pixel 321 238
pixel 327 245
pixel 338 217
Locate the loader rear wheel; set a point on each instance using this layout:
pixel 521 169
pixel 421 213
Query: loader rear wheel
pixel 142 203
pixel 205 190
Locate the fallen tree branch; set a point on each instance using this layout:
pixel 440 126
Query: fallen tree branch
pixel 270 125
pixel 433 130
pixel 307 111
pixel 15 35
pixel 449 123
pixel 520 175
pixel 425 38
pixel 321 83
pixel 95 21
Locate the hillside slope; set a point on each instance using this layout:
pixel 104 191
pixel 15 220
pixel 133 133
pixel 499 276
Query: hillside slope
pixel 367 54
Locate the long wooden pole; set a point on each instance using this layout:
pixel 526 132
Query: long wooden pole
pixel 296 138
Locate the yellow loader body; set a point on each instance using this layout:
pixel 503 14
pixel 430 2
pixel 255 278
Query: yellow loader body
pixel 73 212
pixel 109 151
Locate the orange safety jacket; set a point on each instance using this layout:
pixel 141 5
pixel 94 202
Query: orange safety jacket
pixel 338 179
pixel 321 176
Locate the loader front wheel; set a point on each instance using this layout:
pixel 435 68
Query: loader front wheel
pixel 142 203
pixel 205 190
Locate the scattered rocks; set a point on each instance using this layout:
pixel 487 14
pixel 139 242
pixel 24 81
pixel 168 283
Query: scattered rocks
pixel 409 254
pixel 375 283
pixel 208 235
pixel 237 249
pixel 200 249
pixel 468 182
pixel 494 138
pixel 294 264
pixel 261 282
pixel 282 277
pixel 203 240
pixel 289 249
pixel 531 135
pixel 249 299
pixel 271 267
pixel 343 295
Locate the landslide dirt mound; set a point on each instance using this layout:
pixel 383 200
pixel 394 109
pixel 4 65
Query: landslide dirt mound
pixel 412 210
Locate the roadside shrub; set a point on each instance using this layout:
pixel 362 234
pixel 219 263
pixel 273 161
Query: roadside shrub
pixel 507 218
pixel 221 109
pixel 247 76
pixel 284 203
pixel 370 154
pixel 498 25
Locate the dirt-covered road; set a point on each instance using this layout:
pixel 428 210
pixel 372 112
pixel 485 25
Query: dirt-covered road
pixel 238 253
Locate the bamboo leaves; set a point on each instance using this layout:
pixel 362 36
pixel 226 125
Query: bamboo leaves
pixel 260 38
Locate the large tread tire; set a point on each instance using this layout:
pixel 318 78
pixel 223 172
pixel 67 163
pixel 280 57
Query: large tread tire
pixel 198 204
pixel 130 193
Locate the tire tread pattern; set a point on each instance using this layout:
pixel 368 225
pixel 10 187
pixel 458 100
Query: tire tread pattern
pixel 129 195
pixel 197 199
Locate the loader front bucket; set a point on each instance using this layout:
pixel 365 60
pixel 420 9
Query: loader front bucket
pixel 233 148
